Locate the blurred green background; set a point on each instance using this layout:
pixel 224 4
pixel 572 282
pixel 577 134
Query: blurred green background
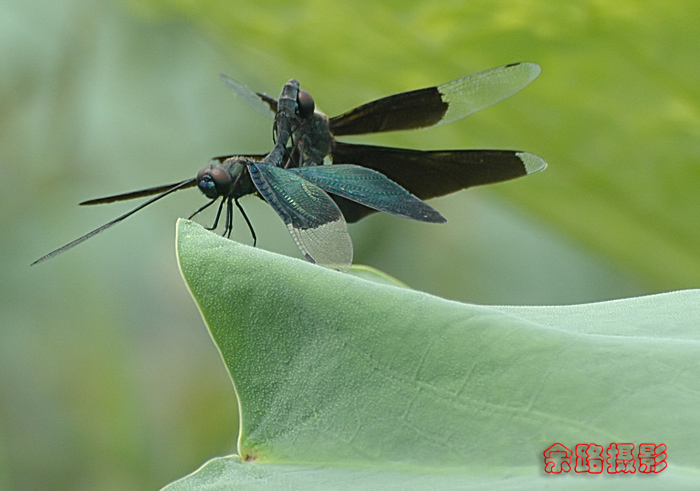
pixel 108 379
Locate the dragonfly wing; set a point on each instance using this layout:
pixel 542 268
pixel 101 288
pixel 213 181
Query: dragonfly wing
pixel 140 193
pixel 369 188
pixel 262 103
pixel 160 189
pixel 436 105
pixel 429 174
pixel 312 217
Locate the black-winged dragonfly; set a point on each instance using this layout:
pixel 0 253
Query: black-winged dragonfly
pixel 363 178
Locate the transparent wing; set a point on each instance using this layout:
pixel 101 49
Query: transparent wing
pixel 481 90
pixel 436 105
pixel 262 103
pixel 312 217
pixel 369 188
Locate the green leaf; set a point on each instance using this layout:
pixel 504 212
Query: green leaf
pixel 227 473
pixel 348 379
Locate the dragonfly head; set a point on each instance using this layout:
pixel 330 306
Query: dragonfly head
pixel 305 104
pixel 214 181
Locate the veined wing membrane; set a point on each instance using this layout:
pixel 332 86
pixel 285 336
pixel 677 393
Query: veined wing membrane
pixel 433 173
pixel 312 217
pixel 369 188
pixel 262 103
pixel 436 105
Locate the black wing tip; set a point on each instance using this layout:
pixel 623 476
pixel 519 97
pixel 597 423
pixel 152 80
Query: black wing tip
pixel 524 63
pixel 533 69
pixel 61 250
pixel 89 202
pixel 531 162
pixel 48 256
pixel 80 240
pixel 40 260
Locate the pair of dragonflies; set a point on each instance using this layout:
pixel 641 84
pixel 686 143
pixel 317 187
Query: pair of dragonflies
pixel 316 201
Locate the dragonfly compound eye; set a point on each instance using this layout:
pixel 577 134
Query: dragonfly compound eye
pixel 214 182
pixel 305 104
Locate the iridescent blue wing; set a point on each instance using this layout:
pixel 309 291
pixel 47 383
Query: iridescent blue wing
pixel 369 188
pixel 312 217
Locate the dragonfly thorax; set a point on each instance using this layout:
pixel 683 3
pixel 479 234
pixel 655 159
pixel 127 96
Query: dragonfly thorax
pixel 315 138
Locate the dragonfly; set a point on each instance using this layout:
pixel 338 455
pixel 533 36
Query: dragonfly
pixel 425 174
pixel 298 195
pixel 294 183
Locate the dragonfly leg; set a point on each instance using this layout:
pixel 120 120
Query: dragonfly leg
pixel 229 218
pixel 250 227
pixel 201 209
pixel 218 214
pixel 295 157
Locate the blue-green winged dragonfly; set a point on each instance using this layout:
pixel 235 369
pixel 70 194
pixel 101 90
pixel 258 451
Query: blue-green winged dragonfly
pixel 363 178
